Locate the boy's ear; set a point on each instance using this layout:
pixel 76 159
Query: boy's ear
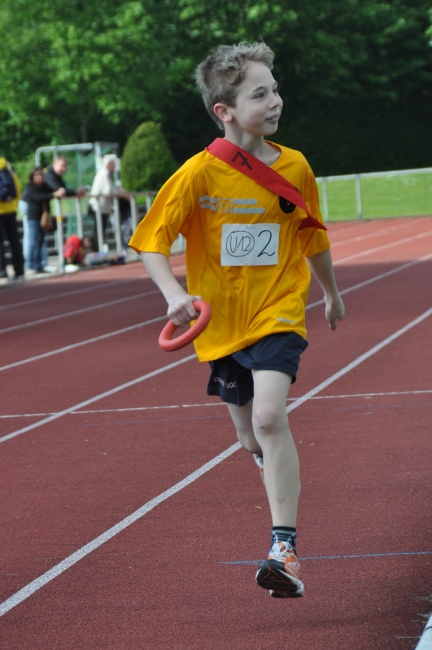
pixel 222 111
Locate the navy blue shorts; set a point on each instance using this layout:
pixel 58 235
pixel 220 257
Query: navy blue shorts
pixel 231 376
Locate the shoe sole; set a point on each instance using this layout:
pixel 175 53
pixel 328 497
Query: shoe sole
pixel 270 576
pixel 278 593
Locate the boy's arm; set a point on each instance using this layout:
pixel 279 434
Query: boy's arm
pixel 322 268
pixel 180 308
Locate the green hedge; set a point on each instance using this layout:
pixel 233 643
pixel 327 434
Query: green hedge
pixel 147 161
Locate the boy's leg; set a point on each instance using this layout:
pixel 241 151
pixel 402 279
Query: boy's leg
pixel 242 418
pixel 280 573
pixel 273 435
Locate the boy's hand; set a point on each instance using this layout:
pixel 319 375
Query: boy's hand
pixel 334 310
pixel 181 310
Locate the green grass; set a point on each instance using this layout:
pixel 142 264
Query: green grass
pixel 389 196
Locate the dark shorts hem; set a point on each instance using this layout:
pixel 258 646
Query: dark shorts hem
pixel 231 376
pixel 227 398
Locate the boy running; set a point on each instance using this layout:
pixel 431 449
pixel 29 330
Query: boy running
pixel 246 255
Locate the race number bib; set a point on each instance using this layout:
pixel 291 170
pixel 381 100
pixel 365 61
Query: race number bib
pixel 250 244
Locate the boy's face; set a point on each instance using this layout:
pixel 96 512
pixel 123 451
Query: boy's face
pixel 258 104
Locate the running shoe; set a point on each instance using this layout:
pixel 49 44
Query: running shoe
pixel 260 462
pixel 280 573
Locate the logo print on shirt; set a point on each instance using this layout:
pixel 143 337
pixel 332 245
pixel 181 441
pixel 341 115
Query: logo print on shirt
pixel 286 206
pixel 230 206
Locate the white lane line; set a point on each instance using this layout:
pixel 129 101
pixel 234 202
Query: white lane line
pixel 40 582
pixel 79 311
pixel 121 331
pixel 359 360
pixel 86 342
pixel 115 302
pixel 378 233
pixel 66 294
pixel 206 404
pixel 370 395
pixel 383 247
pixel 96 398
pixel 72 559
pixel 375 279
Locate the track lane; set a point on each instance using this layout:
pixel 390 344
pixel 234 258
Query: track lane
pixel 106 573
pixel 184 632
pixel 300 442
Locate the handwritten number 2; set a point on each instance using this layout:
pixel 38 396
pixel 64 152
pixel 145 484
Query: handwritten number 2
pixel 263 252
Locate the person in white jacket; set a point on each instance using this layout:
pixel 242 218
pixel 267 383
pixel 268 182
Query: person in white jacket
pixel 103 190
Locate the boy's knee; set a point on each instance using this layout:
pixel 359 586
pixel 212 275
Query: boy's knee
pixel 267 421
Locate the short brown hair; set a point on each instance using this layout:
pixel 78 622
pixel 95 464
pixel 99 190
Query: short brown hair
pixel 220 74
pixel 35 170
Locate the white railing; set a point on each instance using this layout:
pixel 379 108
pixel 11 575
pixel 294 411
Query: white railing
pixel 377 194
pixel 62 209
pixel 353 196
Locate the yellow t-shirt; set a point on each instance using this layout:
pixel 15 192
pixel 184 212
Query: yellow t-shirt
pixel 244 252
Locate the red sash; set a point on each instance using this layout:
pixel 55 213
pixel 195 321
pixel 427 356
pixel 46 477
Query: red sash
pixel 262 174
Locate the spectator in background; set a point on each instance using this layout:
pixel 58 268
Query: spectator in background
pixel 75 249
pixel 54 177
pixel 102 191
pixel 79 253
pixel 37 196
pixel 23 211
pixel 10 192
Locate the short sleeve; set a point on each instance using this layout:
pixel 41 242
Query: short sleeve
pixel 313 240
pixel 169 215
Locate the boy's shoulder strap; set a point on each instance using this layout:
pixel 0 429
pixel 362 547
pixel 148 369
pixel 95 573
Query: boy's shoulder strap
pixel 262 174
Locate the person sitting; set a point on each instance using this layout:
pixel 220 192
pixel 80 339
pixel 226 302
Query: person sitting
pixel 79 252
pixel 75 250
pixel 37 195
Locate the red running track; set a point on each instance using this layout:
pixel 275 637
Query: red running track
pixel 98 424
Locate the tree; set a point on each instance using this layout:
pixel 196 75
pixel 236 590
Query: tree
pixel 66 65
pixel 147 161
pixel 355 75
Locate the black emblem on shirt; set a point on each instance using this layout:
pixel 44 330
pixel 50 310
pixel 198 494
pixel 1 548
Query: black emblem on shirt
pixel 286 206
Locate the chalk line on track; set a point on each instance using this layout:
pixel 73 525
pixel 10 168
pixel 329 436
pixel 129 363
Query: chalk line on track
pixel 359 360
pixel 381 248
pixel 206 404
pixel 66 294
pixel 360 285
pixel 80 343
pixel 107 393
pixel 78 311
pixel 340 557
pixel 72 559
pixel 377 233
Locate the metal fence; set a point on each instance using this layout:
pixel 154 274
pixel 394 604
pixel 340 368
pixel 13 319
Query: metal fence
pixel 350 197
pixel 71 217
pixel 376 195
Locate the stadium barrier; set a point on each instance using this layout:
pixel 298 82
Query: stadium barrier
pixel 376 195
pixel 72 219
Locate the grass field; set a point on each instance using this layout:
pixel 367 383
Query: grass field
pixel 388 196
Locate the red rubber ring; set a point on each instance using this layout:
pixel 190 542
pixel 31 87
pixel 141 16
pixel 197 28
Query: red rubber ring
pixel 169 345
